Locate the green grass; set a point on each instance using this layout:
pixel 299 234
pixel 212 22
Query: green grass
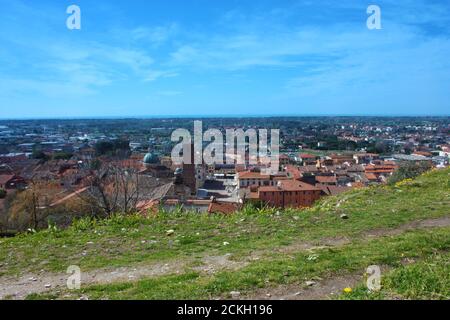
pixel 426 279
pixel 278 270
pixel 136 240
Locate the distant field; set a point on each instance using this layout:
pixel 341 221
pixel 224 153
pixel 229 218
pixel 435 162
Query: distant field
pixel 325 152
pixel 259 253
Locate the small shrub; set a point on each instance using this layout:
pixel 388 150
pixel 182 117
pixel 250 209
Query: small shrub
pixel 124 221
pixel 83 224
pixel 409 170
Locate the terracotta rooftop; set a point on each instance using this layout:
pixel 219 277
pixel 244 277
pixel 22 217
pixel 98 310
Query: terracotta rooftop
pixel 310 168
pixel 380 168
pixel 222 207
pixel 307 156
pixel 371 176
pixel 278 178
pixel 269 189
pixel 289 185
pixel 423 153
pixel 253 195
pixel 332 190
pixel 293 172
pixel 4 178
pixel 326 179
pixel 294 185
pixel 252 175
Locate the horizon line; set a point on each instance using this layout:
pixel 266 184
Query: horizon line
pixel 205 116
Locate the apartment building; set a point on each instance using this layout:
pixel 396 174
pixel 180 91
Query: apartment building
pixel 289 193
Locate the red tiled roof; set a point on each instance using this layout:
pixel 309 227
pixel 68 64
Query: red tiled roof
pixel 371 176
pixel 422 153
pixel 252 175
pixel 381 171
pixel 253 195
pixel 326 179
pixel 294 185
pixel 278 178
pixel 310 168
pixel 222 207
pixel 307 156
pixel 269 189
pixel 386 168
pixel 332 190
pixel 4 178
pixel 290 185
pixel 293 171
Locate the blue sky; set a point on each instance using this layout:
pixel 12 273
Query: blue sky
pixel 223 57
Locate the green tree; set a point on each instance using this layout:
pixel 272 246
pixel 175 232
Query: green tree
pixel 62 156
pixel 40 155
pixel 112 148
pixel 409 170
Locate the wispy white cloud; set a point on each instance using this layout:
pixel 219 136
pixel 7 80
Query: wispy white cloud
pixel 337 63
pixel 58 60
pixel 154 75
pixel 156 34
pixel 304 51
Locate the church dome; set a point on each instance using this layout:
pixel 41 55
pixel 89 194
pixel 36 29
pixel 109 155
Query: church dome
pixel 151 158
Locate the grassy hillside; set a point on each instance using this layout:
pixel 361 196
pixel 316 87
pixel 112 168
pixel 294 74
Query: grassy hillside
pixel 253 251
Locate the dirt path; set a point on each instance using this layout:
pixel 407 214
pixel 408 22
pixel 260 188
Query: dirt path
pixel 326 289
pixel 320 290
pixel 370 234
pixel 43 282
pixel 19 288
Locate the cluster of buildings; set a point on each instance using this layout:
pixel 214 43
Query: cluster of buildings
pixel 57 153
pixel 299 183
